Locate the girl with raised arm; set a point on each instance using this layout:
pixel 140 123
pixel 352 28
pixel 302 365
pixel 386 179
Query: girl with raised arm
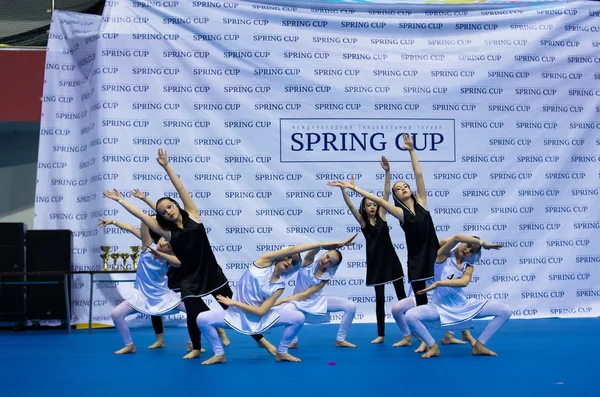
pixel 421 244
pixel 200 272
pixel 174 277
pixel 251 311
pixel 151 294
pixel 383 264
pixel 452 308
pixel 313 276
pixel 173 274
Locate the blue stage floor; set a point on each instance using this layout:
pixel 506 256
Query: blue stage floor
pixel 535 358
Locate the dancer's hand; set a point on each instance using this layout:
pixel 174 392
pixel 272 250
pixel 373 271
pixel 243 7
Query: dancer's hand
pixel 430 288
pixel 136 193
pixel 491 246
pixel 344 185
pixel 114 195
pixel 226 301
pixel 408 142
pixel 385 164
pixel 339 184
pixel 279 302
pixel 344 243
pixel 105 222
pixel 162 158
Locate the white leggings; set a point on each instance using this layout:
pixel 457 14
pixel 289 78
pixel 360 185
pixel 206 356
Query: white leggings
pixel 123 310
pixel 429 313
pixel 335 304
pixel 399 310
pixel 208 322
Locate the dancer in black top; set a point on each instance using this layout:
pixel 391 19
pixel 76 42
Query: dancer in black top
pixel 200 273
pixel 173 274
pixel 421 239
pixel 383 264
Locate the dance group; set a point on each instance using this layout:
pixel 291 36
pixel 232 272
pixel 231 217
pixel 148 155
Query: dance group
pixel 177 256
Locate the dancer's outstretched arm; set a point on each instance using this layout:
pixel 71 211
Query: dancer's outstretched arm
pixel 137 194
pixel 268 258
pixel 451 242
pixel 304 294
pixel 258 311
pixel 386 185
pixel 351 206
pixel 310 256
pixel 421 192
pixel 188 204
pixel 443 254
pixel 148 220
pixel 172 259
pixel 124 226
pixel 396 212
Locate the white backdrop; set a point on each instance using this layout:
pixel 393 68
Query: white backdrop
pixel 259 106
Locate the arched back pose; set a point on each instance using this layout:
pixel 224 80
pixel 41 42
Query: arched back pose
pixel 200 272
pixel 452 308
pixel 173 274
pixel 151 294
pixel 313 276
pixel 383 264
pixel 251 311
pixel 421 244
pixel 415 219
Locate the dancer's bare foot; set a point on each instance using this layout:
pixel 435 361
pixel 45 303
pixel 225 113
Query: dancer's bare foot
pixel 293 345
pixel 406 341
pixel 479 349
pixel 466 335
pixel 434 351
pixel 128 349
pixel 159 344
pixel 286 357
pixel 343 343
pixel 377 340
pixel 265 344
pixel 422 348
pixel 449 339
pixel 190 347
pixel 224 339
pixel 215 360
pixel 192 355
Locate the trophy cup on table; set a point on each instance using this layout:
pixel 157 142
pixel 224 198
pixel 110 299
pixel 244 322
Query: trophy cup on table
pixel 124 256
pixel 135 254
pixel 104 255
pixel 115 257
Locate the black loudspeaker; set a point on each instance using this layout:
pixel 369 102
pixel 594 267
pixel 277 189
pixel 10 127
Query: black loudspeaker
pixel 12 259
pixel 48 250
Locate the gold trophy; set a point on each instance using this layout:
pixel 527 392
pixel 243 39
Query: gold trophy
pixel 115 257
pixel 124 256
pixel 104 255
pixel 135 254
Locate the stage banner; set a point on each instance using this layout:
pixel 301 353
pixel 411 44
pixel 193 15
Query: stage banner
pixel 260 105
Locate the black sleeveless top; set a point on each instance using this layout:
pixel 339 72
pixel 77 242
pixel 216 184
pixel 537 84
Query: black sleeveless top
pixel 383 264
pixel 421 242
pixel 200 272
